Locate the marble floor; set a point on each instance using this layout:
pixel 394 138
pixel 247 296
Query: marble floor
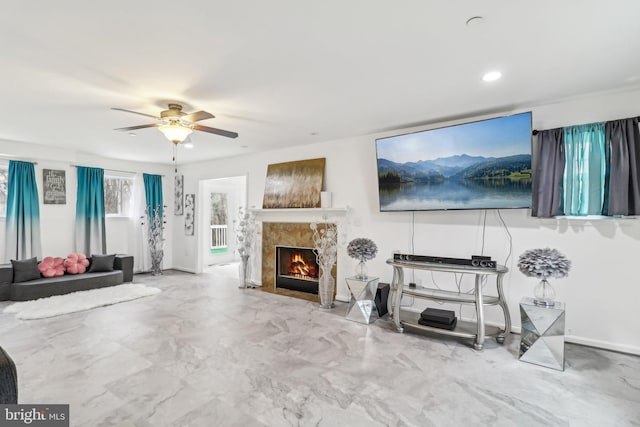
pixel 205 353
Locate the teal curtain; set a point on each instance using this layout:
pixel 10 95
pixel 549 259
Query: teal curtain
pixel 155 220
pixel 22 236
pixel 585 170
pixel 153 193
pixel 90 216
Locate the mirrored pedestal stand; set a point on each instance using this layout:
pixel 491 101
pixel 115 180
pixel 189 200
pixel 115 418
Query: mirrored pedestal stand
pixel 362 307
pixel 542 335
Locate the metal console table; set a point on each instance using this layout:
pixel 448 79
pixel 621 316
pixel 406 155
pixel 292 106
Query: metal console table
pixel 476 330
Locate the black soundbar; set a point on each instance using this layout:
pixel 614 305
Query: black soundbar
pixel 475 261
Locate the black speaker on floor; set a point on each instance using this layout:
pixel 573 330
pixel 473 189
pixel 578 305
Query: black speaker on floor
pixel 382 295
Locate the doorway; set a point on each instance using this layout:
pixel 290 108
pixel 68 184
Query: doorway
pixel 222 197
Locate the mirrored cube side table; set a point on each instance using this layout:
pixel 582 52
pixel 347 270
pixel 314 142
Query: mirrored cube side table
pixel 362 307
pixel 542 335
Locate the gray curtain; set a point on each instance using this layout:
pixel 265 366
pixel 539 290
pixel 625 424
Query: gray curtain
pixel 547 192
pixel 623 192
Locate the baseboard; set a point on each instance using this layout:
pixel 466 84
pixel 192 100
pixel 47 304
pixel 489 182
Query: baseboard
pixel 572 339
pixel 342 298
pixel 183 269
pixel 605 345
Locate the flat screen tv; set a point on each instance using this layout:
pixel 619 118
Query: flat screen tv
pixel 477 165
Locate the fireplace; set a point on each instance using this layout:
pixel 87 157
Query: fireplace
pixel 296 269
pixel 288 235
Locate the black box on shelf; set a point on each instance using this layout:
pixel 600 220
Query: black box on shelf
pixel 451 326
pixel 436 315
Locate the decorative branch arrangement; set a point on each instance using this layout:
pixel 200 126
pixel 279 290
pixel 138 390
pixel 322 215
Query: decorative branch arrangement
pixel 325 242
pixel 245 229
pixel 155 238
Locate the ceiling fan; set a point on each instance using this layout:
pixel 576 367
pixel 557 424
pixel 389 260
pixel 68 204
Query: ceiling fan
pixel 176 125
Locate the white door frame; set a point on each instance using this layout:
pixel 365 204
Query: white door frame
pixel 202 209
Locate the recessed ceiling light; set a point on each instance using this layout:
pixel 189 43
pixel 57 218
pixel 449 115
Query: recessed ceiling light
pixel 188 145
pixel 244 146
pixel 492 76
pixel 313 133
pixel 132 134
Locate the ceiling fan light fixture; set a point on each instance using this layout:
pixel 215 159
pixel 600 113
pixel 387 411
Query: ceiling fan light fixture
pixel 175 132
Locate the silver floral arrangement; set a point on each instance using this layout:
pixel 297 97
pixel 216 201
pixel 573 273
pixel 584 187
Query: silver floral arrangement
pixel 362 249
pixel 544 263
pixel 325 242
pixel 245 229
pixel 155 238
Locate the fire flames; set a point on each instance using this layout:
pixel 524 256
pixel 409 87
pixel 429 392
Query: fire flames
pixel 298 267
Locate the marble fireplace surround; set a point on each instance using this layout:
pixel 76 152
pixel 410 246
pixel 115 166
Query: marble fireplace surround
pixel 284 234
pixel 291 227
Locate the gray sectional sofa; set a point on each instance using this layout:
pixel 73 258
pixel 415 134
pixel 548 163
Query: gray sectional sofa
pixel 44 287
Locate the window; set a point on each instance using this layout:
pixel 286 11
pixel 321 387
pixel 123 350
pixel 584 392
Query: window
pixel 4 187
pixel 117 195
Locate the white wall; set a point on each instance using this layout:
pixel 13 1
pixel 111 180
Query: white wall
pixel 57 221
pixel 601 291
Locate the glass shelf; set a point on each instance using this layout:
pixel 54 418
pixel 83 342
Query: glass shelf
pixel 450 296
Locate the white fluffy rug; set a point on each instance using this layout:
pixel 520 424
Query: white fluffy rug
pixel 79 301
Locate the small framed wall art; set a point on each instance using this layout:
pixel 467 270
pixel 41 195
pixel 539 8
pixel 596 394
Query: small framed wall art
pixel 189 214
pixel 178 196
pixel 55 190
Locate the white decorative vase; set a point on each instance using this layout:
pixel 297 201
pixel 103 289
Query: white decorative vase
pixel 245 276
pixel 326 287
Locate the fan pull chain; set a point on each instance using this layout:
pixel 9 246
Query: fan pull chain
pixel 175 158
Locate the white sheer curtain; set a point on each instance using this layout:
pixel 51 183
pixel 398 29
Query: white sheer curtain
pixel 138 232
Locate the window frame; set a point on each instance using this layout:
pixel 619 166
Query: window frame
pixel 121 177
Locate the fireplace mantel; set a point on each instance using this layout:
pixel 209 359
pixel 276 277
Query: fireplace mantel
pixel 313 210
pixel 301 214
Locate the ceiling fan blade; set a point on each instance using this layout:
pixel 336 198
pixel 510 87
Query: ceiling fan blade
pixel 197 116
pixel 152 125
pixel 221 132
pixel 135 112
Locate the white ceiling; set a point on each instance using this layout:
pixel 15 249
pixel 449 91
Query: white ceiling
pixel 279 71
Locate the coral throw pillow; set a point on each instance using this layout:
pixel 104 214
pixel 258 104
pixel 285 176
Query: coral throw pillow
pixel 76 263
pixel 51 267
